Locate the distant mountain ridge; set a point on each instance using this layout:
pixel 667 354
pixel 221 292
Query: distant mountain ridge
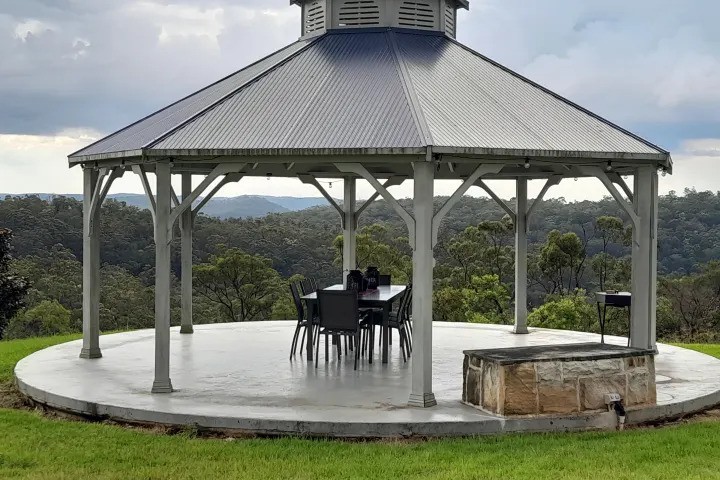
pixel 243 206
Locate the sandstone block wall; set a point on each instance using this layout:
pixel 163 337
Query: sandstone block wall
pixel 557 386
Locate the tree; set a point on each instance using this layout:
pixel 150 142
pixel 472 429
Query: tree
pixel 245 286
pixel 610 230
pixel 693 302
pixel 499 256
pixel 378 247
pixel 47 318
pixel 560 261
pixel 571 312
pixel 13 288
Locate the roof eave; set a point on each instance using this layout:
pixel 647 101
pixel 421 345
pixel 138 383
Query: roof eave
pixel 662 158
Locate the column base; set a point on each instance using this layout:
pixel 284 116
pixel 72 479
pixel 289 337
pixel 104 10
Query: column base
pixel 162 386
pixel 422 400
pixel 186 329
pixel 518 330
pixel 91 353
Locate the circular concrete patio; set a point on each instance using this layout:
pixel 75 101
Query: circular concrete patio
pixel 238 377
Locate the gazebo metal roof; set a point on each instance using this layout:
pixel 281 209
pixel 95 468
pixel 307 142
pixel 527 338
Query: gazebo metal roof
pixel 381 91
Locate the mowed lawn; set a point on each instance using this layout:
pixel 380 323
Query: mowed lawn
pixel 33 446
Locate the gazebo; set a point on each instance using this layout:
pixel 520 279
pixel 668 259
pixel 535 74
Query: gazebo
pixel 378 90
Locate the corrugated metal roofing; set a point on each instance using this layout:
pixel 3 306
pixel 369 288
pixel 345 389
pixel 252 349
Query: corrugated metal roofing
pixel 154 126
pixel 373 89
pixel 337 94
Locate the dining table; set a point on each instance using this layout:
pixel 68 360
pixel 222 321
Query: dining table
pixel 381 298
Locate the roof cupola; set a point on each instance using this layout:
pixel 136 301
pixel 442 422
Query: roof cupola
pixel 319 16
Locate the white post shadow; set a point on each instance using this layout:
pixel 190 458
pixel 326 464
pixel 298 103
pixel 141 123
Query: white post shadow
pixel 349 228
pixel 162 383
pixel 186 242
pixel 644 260
pixel 521 257
pixel 91 267
pixel 421 394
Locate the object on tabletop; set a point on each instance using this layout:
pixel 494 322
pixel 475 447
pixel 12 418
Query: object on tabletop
pixel 372 275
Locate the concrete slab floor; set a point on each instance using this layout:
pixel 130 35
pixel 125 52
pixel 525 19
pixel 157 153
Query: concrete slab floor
pixel 238 376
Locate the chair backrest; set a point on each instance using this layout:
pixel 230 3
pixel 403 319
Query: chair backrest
pixel 339 309
pixel 313 284
pixel 385 280
pixel 306 286
pixel 296 300
pixel 405 305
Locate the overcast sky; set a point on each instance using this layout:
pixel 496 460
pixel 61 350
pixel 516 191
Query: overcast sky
pixel 72 71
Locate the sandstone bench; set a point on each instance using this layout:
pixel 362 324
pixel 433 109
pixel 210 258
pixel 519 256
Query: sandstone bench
pixel 557 379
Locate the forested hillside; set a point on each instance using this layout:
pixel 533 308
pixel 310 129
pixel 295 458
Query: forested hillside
pixel 575 248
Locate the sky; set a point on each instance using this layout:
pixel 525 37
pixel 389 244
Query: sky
pixel 73 71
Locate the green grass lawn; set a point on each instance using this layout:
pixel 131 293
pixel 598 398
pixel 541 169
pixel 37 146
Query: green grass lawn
pixel 33 446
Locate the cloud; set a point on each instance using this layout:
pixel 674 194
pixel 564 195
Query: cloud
pixel 103 64
pixel 649 65
pixel 74 66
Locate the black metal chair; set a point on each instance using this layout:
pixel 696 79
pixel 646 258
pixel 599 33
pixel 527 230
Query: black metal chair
pixel 302 322
pixel 399 321
pixel 339 317
pixel 306 286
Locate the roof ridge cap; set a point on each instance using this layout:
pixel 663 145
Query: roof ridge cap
pixel 232 92
pixel 410 93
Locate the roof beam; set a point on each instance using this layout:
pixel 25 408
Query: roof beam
pixel 360 170
pixel 497 199
pixel 391 182
pixel 603 177
pixel 229 178
pixel 551 182
pixel 452 201
pixel 140 172
pixel 310 180
pixel 222 169
pixel 617 179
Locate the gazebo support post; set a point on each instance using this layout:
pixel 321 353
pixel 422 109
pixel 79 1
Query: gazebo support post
pixel 91 267
pixel 349 228
pixel 186 235
pixel 422 394
pixel 163 226
pixel 644 260
pixel 521 257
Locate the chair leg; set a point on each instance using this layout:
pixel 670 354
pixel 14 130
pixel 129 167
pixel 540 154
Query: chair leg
pixel 317 351
pixel 402 345
pixel 327 349
pixel 293 345
pixel 302 341
pixel 355 340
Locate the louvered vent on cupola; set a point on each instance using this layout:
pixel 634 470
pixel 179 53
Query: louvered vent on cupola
pixel 358 13
pixel 450 19
pixel 418 14
pixel 314 16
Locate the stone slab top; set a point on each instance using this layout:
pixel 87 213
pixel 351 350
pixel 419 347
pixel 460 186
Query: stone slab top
pixel 573 352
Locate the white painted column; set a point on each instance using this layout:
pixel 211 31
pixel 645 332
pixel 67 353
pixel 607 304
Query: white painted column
pixel 186 241
pixel 91 268
pixel 521 257
pixel 421 360
pixel 644 260
pixel 349 238
pixel 162 382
